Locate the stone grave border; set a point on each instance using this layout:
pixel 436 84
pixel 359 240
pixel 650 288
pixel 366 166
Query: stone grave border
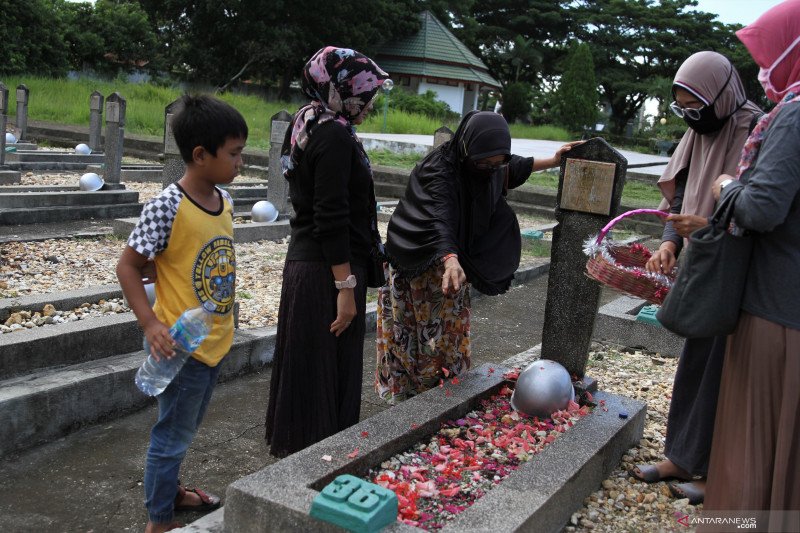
pixel 541 495
pixel 616 323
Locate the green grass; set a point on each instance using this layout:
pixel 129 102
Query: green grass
pixel 545 133
pixel 67 102
pixel 635 193
pixel 535 248
pixel 393 159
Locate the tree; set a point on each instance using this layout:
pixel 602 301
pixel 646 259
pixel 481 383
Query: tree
pixel 633 42
pixel 519 40
pixel 516 101
pixel 31 38
pixel 576 98
pixel 270 40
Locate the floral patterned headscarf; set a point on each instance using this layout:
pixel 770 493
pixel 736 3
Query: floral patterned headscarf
pixel 341 84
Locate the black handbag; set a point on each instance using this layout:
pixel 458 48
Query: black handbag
pixel 706 298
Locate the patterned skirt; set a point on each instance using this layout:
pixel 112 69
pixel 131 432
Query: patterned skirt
pixel 422 334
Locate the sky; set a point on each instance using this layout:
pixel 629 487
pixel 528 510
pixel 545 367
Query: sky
pixel 736 11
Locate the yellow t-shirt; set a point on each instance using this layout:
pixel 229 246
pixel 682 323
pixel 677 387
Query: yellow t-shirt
pixel 195 262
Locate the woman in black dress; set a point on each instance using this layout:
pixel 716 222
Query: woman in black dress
pixel 315 389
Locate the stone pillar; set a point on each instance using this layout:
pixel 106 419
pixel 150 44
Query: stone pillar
pixel 7 177
pixel 95 121
pixel 441 136
pixel 22 112
pixel 3 120
pixel 115 137
pixel 174 166
pixel 277 186
pixel 589 193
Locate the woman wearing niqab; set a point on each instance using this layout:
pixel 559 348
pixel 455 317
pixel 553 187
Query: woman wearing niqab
pixel 453 229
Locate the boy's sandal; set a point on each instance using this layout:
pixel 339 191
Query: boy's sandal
pixel 688 490
pixel 208 502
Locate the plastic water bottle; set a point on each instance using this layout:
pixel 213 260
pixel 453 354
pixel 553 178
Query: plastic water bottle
pixel 188 332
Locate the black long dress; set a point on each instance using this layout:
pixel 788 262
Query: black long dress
pixel 315 389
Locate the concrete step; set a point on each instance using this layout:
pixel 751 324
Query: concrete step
pixel 68 343
pixel 247 232
pixel 247 193
pixel 37 215
pixel 390 175
pixel 62 301
pixel 45 405
pixel 46 156
pixel 39 188
pixel 40 166
pixel 389 190
pixel 67 198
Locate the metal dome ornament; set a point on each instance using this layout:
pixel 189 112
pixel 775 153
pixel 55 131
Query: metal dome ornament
pixel 83 149
pixel 263 211
pixel 91 182
pixel 543 388
pixel 10 138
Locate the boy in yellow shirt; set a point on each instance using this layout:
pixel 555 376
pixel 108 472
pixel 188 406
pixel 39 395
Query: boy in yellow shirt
pixel 187 230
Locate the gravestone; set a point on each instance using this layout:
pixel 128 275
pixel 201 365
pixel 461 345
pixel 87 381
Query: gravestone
pixel 441 136
pixel 589 193
pixel 277 186
pixel 174 165
pixel 6 176
pixel 22 111
pixel 95 121
pixel 115 137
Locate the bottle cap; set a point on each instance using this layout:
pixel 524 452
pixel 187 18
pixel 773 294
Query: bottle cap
pixel 209 306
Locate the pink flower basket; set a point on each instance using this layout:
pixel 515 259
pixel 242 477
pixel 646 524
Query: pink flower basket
pixel 621 266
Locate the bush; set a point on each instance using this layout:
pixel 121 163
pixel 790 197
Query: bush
pixel 420 104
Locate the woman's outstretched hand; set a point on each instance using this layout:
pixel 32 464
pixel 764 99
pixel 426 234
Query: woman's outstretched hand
pixel 550 162
pixel 453 277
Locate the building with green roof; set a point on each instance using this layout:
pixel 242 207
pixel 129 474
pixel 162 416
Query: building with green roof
pixel 434 59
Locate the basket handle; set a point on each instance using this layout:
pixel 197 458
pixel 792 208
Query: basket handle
pixel 627 214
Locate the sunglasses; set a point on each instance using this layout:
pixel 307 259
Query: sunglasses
pixel 687 112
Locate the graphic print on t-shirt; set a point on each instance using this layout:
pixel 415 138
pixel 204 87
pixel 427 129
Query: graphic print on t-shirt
pixel 214 274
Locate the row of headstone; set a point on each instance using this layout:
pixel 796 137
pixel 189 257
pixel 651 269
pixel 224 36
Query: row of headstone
pixel 95 116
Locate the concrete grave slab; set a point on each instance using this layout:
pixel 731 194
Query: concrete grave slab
pixel 616 323
pixel 541 495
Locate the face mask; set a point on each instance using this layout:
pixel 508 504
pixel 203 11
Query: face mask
pixel 708 121
pixel 765 74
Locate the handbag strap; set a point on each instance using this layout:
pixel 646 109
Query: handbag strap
pixel 723 212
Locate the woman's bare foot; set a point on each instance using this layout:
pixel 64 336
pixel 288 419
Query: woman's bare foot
pixel 661 471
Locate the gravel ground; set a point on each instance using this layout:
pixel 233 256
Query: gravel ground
pixel 622 504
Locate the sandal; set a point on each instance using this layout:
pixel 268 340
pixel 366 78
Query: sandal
pixel 650 474
pixel 689 490
pixel 208 502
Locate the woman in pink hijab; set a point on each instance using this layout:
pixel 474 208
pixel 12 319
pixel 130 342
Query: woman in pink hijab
pixel 755 456
pixel 710 97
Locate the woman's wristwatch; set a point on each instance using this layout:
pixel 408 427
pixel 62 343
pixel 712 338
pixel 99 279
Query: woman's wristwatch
pixel 348 283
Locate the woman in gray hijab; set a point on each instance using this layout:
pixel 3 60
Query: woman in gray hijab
pixel 710 97
pixel 452 229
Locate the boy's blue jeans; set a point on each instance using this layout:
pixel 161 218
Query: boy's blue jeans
pixel 180 410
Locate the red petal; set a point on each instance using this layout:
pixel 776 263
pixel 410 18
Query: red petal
pixel 353 454
pixel 364 434
pixel 445 371
pixel 455 381
pixel 448 392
